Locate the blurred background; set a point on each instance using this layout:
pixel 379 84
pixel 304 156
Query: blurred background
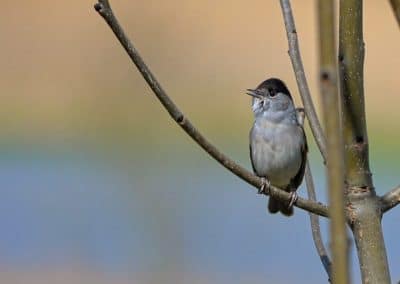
pixel 98 185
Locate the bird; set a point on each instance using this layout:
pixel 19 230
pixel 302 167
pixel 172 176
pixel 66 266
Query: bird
pixel 278 145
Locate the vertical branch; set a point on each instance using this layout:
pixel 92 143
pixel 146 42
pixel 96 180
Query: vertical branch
pixel 396 9
pixel 363 206
pixel 315 226
pixel 335 166
pixel 351 60
pixel 294 53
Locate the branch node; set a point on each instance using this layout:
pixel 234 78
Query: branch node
pixel 359 191
pixel 359 139
pixel 325 76
pixel 98 7
pixel 181 119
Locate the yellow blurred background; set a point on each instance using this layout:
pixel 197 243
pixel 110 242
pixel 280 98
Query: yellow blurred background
pixel 64 75
pixel 67 84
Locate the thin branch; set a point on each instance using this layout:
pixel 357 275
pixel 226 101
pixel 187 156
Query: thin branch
pixel 396 9
pixel 315 226
pixel 295 57
pixel 331 114
pixel 390 199
pixel 104 9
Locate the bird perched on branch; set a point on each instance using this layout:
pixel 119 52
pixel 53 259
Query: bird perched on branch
pixel 278 146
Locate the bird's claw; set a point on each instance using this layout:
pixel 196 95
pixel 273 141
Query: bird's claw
pixel 265 186
pixel 293 199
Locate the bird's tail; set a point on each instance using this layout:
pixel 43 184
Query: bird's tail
pixel 275 206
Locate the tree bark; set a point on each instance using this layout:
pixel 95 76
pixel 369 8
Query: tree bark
pixel 363 206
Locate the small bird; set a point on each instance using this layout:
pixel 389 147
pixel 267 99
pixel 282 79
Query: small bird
pixel 278 145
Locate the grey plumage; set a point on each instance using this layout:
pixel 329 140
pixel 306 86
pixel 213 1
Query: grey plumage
pixel 278 146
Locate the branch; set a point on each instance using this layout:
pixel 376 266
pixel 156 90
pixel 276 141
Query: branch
pixel 331 115
pixel 104 9
pixel 315 227
pixel 295 57
pixel 390 199
pixel 363 208
pixel 396 9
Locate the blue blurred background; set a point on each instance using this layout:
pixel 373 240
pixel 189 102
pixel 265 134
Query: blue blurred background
pixel 100 186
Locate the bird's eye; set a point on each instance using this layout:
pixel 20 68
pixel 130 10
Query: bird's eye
pixel 271 92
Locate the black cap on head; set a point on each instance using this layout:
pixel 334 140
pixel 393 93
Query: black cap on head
pixel 273 86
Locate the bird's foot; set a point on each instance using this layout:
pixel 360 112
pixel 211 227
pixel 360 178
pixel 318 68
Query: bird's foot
pixel 293 199
pixel 264 187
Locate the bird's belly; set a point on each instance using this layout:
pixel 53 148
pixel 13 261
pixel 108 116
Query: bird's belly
pixel 277 156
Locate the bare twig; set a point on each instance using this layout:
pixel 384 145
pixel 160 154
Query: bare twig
pixel 104 9
pixel 364 208
pixel 396 9
pixel 390 199
pixel 315 226
pixel 331 115
pixel 294 53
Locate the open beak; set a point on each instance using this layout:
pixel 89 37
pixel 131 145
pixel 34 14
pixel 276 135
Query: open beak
pixel 254 94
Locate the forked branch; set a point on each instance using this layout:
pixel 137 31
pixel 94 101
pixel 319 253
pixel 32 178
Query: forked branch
pixel 104 9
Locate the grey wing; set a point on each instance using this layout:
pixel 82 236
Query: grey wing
pixel 296 181
pixel 251 159
pixel 251 152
